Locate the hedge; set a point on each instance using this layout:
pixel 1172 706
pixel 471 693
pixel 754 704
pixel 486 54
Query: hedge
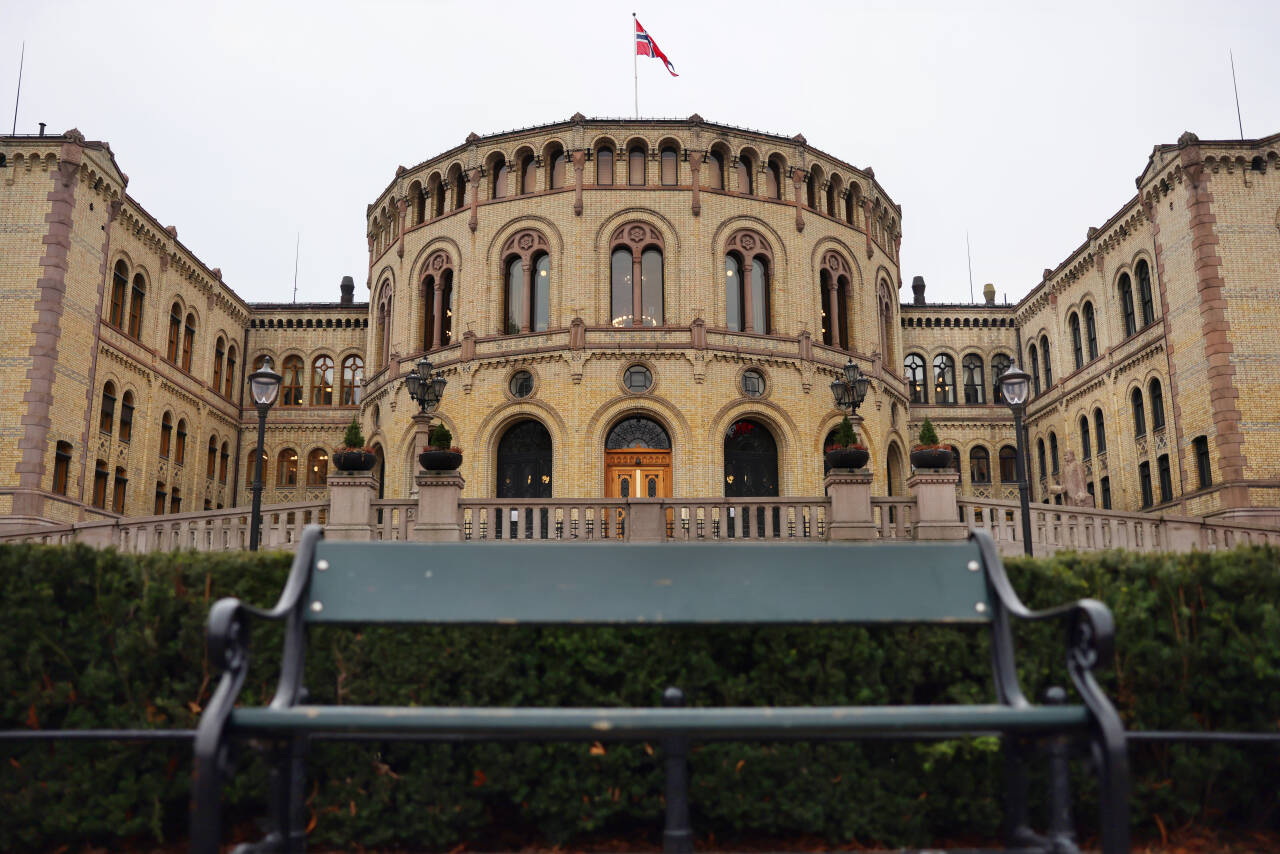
pixel 94 638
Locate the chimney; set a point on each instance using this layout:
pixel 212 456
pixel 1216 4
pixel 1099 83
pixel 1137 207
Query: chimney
pixel 917 289
pixel 989 293
pixel 42 128
pixel 348 287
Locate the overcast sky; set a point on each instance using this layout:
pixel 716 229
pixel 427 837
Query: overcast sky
pixel 1023 123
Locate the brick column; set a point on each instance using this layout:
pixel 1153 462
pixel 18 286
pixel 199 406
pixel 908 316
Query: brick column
pixel 350 505
pixel 695 167
pixel 438 494
pixel 937 511
pixel 850 493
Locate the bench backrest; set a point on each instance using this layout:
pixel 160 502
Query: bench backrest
pixel 622 583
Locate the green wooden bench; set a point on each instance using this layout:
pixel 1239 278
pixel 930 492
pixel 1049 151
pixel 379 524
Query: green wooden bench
pixel 622 584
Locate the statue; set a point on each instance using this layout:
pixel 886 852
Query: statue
pixel 1072 488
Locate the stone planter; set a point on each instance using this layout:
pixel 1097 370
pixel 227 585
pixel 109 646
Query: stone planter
pixel 931 458
pixel 357 460
pixel 437 459
pixel 847 458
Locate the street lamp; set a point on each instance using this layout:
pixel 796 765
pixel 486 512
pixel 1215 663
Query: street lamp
pixel 425 388
pixel 264 385
pixel 1015 384
pixel 850 389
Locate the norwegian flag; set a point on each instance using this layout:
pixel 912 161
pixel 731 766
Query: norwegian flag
pixel 646 46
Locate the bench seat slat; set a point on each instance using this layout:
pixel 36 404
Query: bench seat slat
pixel 666 583
pixel 644 723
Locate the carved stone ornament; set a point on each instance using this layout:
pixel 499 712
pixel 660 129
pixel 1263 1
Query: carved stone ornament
pixel 747 242
pixel 525 242
pixel 437 261
pixel 636 233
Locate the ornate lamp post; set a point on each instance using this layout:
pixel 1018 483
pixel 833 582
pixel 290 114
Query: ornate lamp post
pixel 851 389
pixel 1014 387
pixel 264 385
pixel 425 388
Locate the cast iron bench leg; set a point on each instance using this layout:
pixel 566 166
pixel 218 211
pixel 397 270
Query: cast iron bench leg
pixel 677 835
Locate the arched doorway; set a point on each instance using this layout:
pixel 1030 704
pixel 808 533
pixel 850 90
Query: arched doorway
pixel 524 461
pixel 637 460
pixel 750 460
pixel 380 466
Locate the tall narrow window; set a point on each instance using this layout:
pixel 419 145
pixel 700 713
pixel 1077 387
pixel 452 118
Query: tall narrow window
pixel 106 419
pixel 1048 367
pixel 211 460
pixel 1008 464
pixel 251 468
pixel 1044 470
pixel 1204 476
pixel 913 368
pixel 1106 493
pixel 528 174
pixel 317 467
pixel 1053 451
pixel 1091 331
pixel 352 379
pixel 459 190
pixel 291 384
pixel 810 191
pixel 175 333
pixel 604 167
pixel 175 500
pixel 1099 431
pixel 750 460
pixel 824 301
pixel 975 385
pixel 287 468
pixel 773 180
pixel 1157 405
pixel 733 300
pixel 1085 445
pixel 219 356
pixel 1126 305
pixel 620 286
pixel 161 496
pixel 428 311
pixel 979 465
pixel 1033 362
pixel 188 341
pixel 446 308
pixel 1077 344
pixel 715 171
pixel 651 287
pixel 138 296
pixel 223 455
pixel 1144 293
pixel 759 295
pixel 1166 478
pixel 100 475
pixel 515 295
pixel 322 381
pixel 1139 416
pixel 635 166
pixel 944 379
pixel 559 162
pixel 118 493
pixel 670 167
pixel 180 444
pixel 119 292
pixel 126 417
pixel 746 185
pixel 61 467
pixel 498 188
pixel 1144 480
pixel 166 434
pixel 842 312
pixel 541 293
pixel 230 384
pixel 999 364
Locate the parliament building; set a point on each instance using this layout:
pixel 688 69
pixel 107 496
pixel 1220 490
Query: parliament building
pixel 638 308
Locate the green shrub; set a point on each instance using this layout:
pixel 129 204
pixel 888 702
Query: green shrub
pixel 928 435
pixel 98 639
pixel 353 438
pixel 440 437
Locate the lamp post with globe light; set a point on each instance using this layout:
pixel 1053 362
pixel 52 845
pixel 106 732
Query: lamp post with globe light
pixel 426 389
pixel 850 389
pixel 264 386
pixel 1014 387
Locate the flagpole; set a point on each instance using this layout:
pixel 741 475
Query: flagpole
pixel 635 75
pixel 21 61
pixel 1236 89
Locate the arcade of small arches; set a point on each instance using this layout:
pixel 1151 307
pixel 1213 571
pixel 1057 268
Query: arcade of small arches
pixel 320 391
pixel 943 390
pixel 309 323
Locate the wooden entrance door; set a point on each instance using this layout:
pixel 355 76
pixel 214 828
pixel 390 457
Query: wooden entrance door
pixel 637 473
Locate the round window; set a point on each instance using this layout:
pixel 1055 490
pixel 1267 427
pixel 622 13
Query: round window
pixel 521 384
pixel 637 379
pixel 752 383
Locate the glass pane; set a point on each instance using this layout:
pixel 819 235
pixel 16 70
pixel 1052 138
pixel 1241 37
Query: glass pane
pixel 651 286
pixel 635 167
pixel 530 176
pixel 542 293
pixel 604 166
pixel 524 462
pixel 515 295
pixel 759 296
pixel 733 292
pixel 744 176
pixel 558 169
pixel 715 172
pixel 620 287
pixel 669 167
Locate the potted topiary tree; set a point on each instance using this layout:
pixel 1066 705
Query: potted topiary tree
pixel 352 455
pixel 929 454
pixel 439 454
pixel 845 451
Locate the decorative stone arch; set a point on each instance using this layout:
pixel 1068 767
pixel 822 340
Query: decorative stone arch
pixel 786 438
pixel 749 246
pixel 637 237
pixel 495 425
pixel 436 292
pixel 549 148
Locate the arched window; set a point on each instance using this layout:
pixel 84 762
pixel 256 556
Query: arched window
pixel 1157 405
pixel 211 462
pixel 1200 444
pixel 1053 451
pixel 1085 445
pixel 161 496
pixel 913 370
pixel 979 465
pixel 1144 293
pixel 175 500
pixel 382 334
pixel 1008 464
pixel 811 191
pixel 180 445
pixel 750 461
pixel 944 379
pixel 773 179
pixel 250 472
pixel 61 467
pixel 126 417
pixel 317 467
pixel 1048 367
pixel 1126 305
pixel 528 174
pixel 715 171
pixel 825 282
pixel 100 475
pixel 747 260
pixel 527 293
pixel 1091 331
pixel 1033 362
pixel 604 166
pixel 458 180
pixel 1139 416
pixel 635 166
pixel 106 418
pixel 1099 432
pixel 515 295
pixel 166 434
pixel 219 356
pixel 833 287
pixel 1077 345
pixel 175 333
pixel 670 167
pixel 975 385
pixel 352 379
pixel 636 276
pixel 733 298
pixel 119 490
pixel 832 193
pixel 188 341
pixel 445 318
pixel 541 292
pixel 230 384
pixel 287 468
pixel 524 461
pixel 999 364
pixel 137 298
pixel 119 291
pixel 322 381
pixel 746 184
pixel 291 384
pixel 556 175
pixel 851 206
pixel 498 186
pixel 1044 470
pixel 223 455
